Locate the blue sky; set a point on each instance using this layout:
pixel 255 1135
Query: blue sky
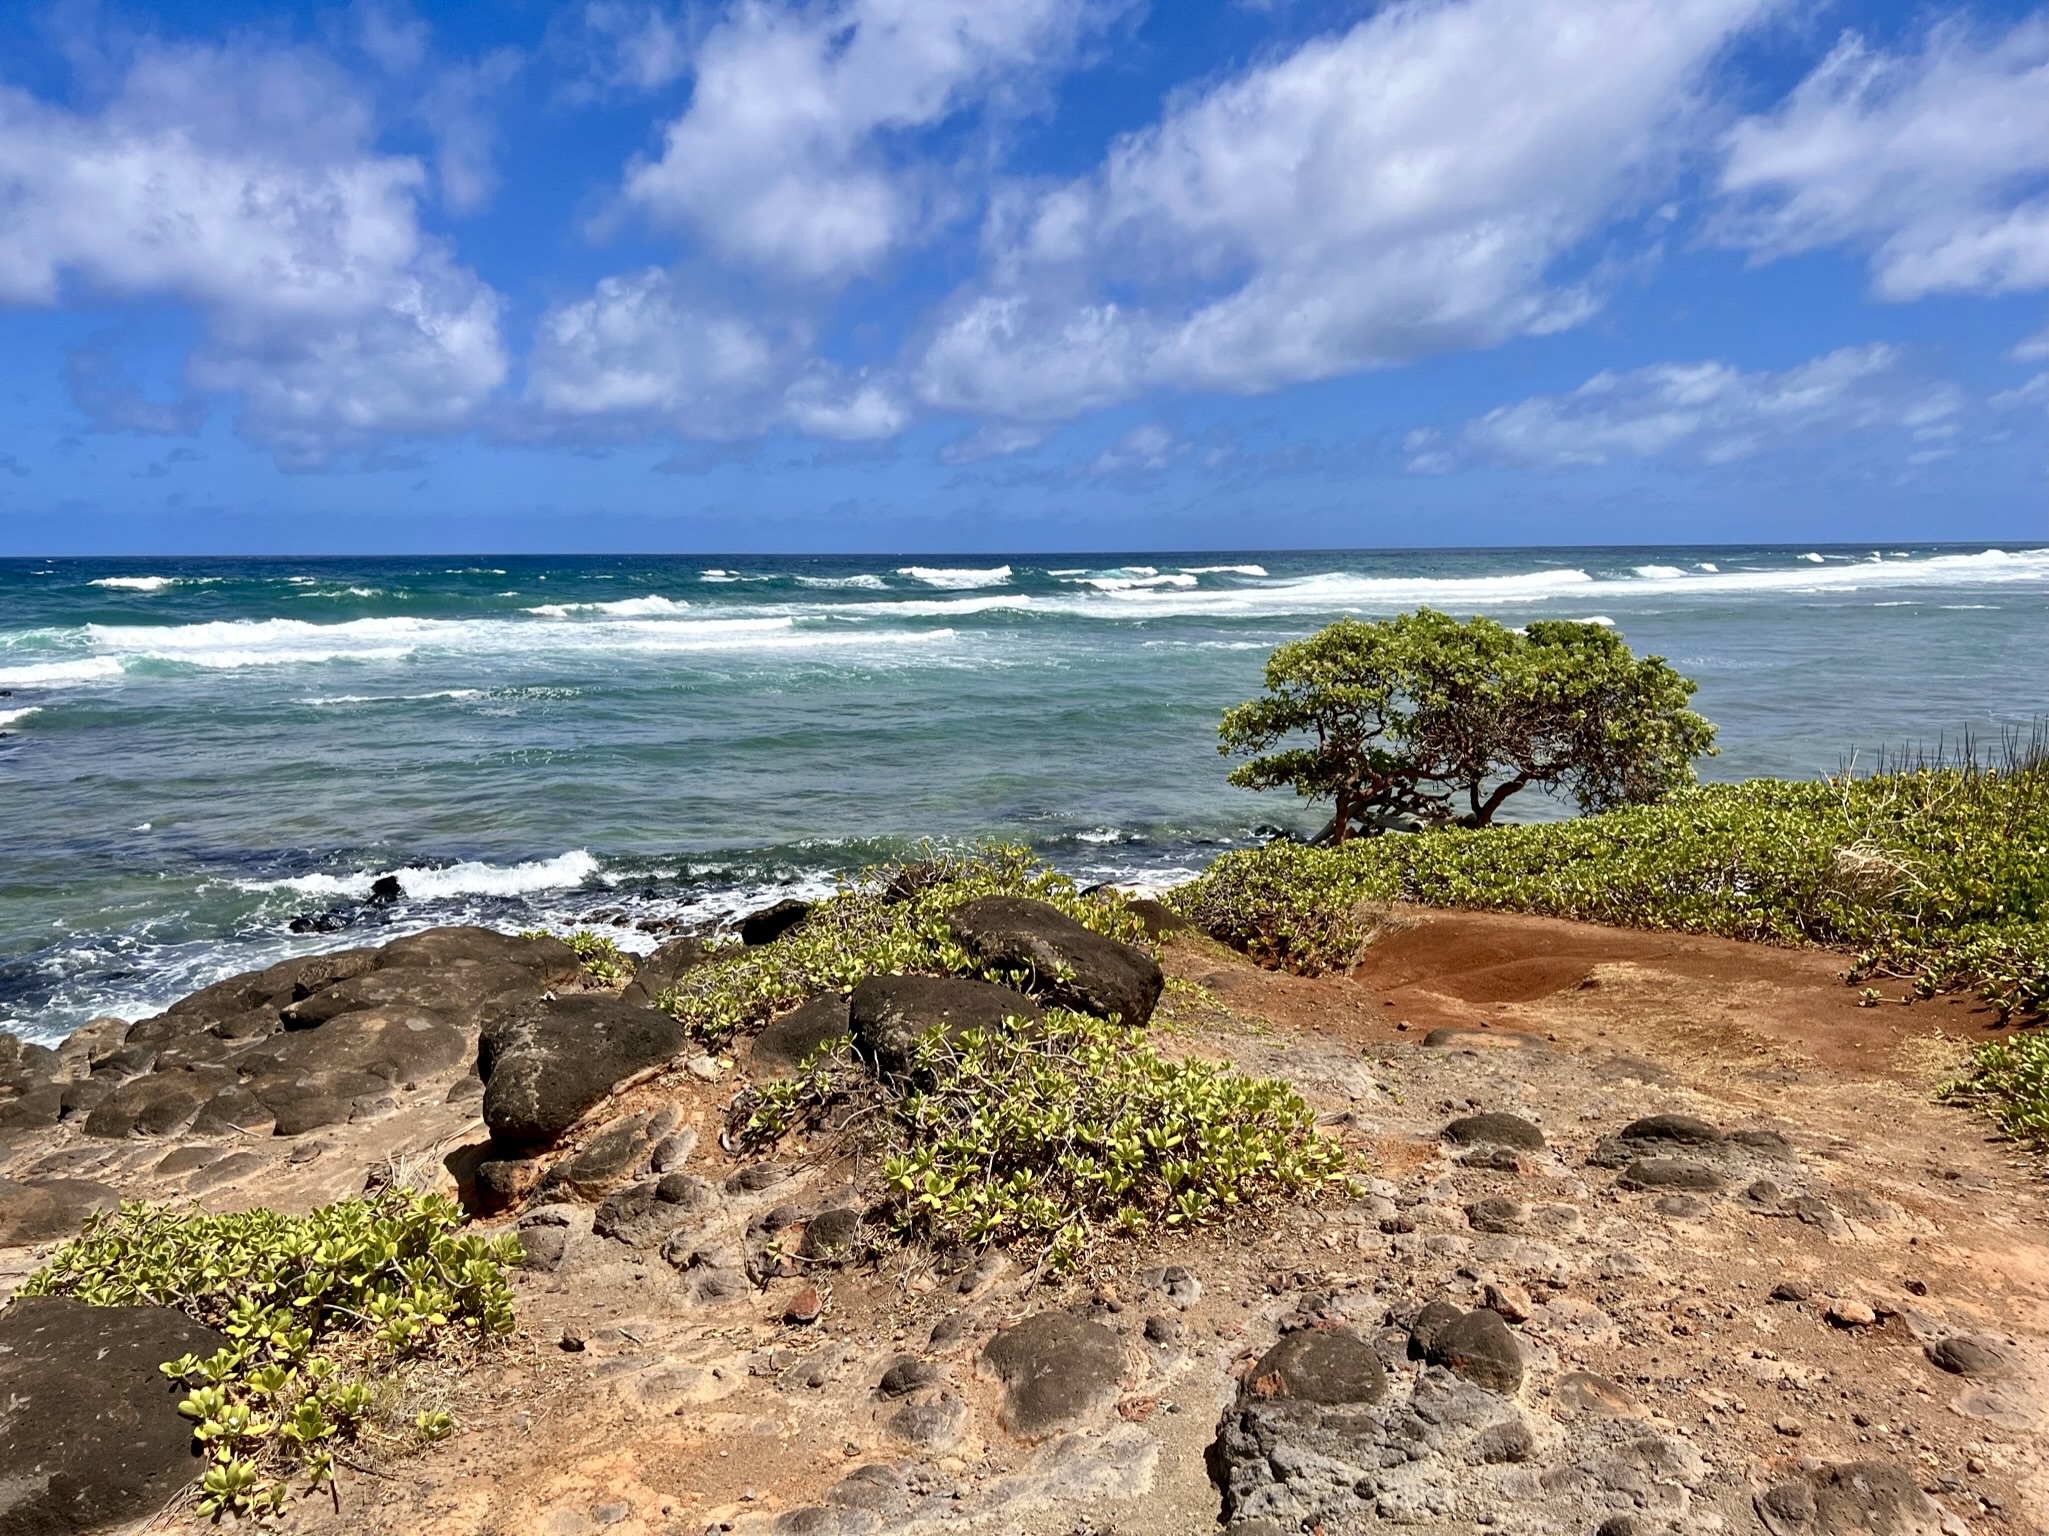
pixel 1020 274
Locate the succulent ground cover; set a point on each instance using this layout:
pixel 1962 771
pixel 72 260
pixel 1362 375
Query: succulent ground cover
pixel 318 1310
pixel 2009 1079
pixel 1934 877
pixel 1050 1137
pixel 890 920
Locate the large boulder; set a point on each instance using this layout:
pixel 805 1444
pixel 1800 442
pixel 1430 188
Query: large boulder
pixel 1059 1372
pixel 90 1434
pixel 889 1015
pixel 1329 1367
pixel 546 1064
pixel 1316 1438
pixel 1069 964
pixel 788 1038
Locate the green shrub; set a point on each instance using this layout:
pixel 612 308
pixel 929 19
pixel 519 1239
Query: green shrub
pixel 1936 876
pixel 1049 1136
pixel 311 1304
pixel 602 961
pixel 2009 1079
pixel 890 921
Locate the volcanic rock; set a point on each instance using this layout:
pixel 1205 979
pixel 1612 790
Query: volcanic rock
pixel 1069 964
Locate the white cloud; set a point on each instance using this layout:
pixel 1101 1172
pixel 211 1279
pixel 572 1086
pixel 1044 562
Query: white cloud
pixel 245 186
pixel 1702 412
pixel 2031 349
pixel 782 162
pixel 628 46
pixel 1400 189
pixel 1145 448
pixel 1934 162
pixel 640 356
pixel 460 110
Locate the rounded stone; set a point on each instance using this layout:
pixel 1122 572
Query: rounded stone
pixel 1329 1367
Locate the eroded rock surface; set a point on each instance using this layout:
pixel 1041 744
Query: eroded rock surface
pixel 90 1433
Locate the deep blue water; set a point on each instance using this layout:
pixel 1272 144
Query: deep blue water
pixel 196 751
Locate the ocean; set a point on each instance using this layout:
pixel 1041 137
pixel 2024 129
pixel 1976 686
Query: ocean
pixel 194 753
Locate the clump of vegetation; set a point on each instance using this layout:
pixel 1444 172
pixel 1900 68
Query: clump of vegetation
pixel 2009 1079
pixel 1048 1137
pixel 1936 875
pixel 602 961
pixel 314 1306
pixel 1421 720
pixel 892 920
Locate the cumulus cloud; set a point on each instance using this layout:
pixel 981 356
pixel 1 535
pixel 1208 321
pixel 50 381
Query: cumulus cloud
pixel 783 163
pixel 1400 189
pixel 1934 162
pixel 641 355
pixel 1709 413
pixel 621 46
pixel 246 186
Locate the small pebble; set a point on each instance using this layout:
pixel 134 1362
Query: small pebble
pixel 1792 1429
pixel 1975 1464
pixel 703 1068
pixel 1848 1312
pixel 1791 1290
pixel 572 1341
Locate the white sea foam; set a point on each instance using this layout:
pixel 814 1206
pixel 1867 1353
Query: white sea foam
pixel 1813 559
pixel 864 582
pixel 135 583
pixel 1134 583
pixel 50 674
pixel 956 578
pixel 925 607
pixel 1600 619
pixel 624 608
pixel 1660 572
pixel 1224 570
pixel 470 878
pixel 1709 565
pixel 230 645
pixel 16 716
pixel 1339 591
pixel 395 698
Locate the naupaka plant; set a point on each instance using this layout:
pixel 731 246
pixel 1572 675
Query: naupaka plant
pixel 313 1307
pixel 1048 1137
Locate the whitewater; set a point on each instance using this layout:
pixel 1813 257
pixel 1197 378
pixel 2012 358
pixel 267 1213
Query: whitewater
pixel 193 753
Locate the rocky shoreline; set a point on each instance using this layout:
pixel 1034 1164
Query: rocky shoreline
pixel 1587 1283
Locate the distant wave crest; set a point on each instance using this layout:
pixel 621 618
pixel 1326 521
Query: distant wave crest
pixel 956 578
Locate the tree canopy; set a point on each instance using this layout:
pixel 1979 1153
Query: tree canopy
pixel 1422 719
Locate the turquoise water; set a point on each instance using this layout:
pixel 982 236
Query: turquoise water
pixel 198 751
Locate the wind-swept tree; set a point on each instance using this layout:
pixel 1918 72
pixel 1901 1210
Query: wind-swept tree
pixel 1424 720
